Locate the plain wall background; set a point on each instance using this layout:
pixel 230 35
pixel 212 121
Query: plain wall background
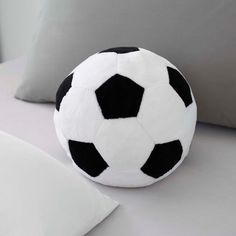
pixel 17 22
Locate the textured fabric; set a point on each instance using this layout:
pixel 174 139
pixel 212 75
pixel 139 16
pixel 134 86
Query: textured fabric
pixel 41 197
pixel 129 125
pixel 194 200
pixel 197 36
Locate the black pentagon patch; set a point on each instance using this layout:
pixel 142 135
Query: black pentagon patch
pixel 121 50
pixel 63 89
pixel 119 97
pixel 163 158
pixel 180 85
pixel 86 156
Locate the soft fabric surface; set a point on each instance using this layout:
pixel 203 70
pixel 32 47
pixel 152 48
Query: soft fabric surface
pixel 39 196
pixel 197 199
pixel 197 36
pixel 126 117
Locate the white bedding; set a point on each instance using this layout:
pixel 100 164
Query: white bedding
pixel 197 199
pixel 39 196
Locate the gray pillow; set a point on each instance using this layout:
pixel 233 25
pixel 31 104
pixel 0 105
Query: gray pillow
pixel 199 37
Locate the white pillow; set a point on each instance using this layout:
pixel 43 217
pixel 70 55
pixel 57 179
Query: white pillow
pixel 41 197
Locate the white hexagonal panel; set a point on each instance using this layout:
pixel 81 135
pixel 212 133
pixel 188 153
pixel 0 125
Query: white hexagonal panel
pixel 187 131
pixel 123 144
pixel 80 115
pixel 143 67
pixel 95 70
pixel 162 113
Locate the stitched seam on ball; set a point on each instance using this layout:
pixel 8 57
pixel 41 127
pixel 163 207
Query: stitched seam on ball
pixel 145 131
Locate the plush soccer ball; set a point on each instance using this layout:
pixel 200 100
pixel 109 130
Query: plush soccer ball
pixel 126 117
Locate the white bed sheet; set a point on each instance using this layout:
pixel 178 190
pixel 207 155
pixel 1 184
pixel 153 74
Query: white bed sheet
pixel 199 198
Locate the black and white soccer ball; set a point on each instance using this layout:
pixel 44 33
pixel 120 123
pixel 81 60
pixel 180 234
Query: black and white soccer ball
pixel 126 117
